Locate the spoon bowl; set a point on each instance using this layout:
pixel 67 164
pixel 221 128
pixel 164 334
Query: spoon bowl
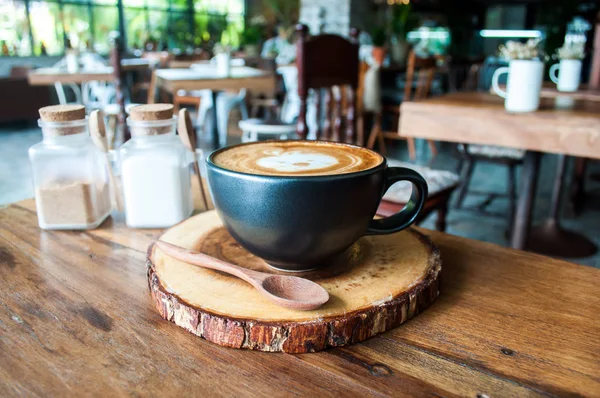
pixel 297 293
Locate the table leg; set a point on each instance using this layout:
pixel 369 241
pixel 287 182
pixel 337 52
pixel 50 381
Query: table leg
pixel 215 131
pixel 578 185
pixel 529 178
pixel 550 238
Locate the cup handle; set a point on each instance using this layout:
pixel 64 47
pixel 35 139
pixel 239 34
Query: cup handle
pixel 554 73
pixel 495 78
pixel 405 217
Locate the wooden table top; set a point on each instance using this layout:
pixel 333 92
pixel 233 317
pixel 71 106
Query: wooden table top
pixel 549 90
pixel 76 319
pixel 561 125
pixel 49 76
pixel 581 94
pixel 205 77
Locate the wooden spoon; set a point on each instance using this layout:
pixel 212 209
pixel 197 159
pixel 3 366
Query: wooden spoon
pixel 188 137
pixel 286 291
pixel 98 133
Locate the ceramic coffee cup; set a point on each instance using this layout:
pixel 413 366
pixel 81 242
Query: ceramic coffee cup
pixel 523 85
pixel 300 222
pixel 566 75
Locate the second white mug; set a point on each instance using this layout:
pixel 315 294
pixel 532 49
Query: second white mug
pixel 569 73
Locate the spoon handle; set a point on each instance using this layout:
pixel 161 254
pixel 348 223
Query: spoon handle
pixel 98 133
pixel 187 136
pixel 255 278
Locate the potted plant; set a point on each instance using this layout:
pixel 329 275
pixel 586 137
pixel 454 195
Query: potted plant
pixel 379 39
pixel 252 35
pixel 569 68
pixel 525 74
pixel 400 27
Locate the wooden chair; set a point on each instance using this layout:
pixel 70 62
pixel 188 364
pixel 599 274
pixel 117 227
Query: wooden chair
pixel 270 106
pixel 329 65
pixel 419 76
pixel 470 155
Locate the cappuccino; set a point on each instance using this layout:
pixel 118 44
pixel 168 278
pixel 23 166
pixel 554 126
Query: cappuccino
pixel 297 158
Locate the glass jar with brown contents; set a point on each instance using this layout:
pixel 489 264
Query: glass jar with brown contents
pixel 70 175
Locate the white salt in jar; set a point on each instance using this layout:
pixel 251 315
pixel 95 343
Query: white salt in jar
pixel 70 175
pixel 155 174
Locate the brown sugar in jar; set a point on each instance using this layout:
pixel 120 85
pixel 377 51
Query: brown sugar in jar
pixel 69 173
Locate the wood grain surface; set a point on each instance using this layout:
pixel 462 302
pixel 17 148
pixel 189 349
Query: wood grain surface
pixel 570 127
pixel 76 319
pixel 377 284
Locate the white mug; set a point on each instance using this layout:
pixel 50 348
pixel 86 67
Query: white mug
pixel 523 85
pixel 568 76
pixel 223 64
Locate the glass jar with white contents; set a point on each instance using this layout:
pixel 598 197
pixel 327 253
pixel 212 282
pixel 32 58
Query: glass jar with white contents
pixel 70 175
pixel 155 174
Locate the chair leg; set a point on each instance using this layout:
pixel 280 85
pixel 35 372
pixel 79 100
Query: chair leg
pixel 412 150
pixel 512 196
pixel 372 136
pixel 381 141
pixel 432 148
pixel 466 174
pixel 460 164
pixel 176 105
pixel 442 212
pixel 244 110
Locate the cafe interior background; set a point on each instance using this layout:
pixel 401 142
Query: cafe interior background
pixel 462 36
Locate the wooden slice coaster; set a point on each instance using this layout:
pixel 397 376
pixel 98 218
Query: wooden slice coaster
pixel 379 283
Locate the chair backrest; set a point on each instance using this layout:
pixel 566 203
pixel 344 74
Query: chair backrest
pixel 329 65
pixel 423 71
pixel 97 95
pixel 464 76
pixel 61 93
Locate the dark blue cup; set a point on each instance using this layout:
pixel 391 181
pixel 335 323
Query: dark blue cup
pixel 297 223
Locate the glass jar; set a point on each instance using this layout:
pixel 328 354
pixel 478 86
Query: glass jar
pixel 70 177
pixel 155 175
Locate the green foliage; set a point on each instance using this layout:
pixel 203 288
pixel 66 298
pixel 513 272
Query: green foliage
pixel 403 21
pixel 379 37
pixel 231 36
pixel 251 35
pixel 286 11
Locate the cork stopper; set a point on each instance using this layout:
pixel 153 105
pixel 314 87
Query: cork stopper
pixel 151 112
pixel 62 113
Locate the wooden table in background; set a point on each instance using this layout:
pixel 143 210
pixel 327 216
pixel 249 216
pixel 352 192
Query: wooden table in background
pixel 564 126
pixel 205 77
pixel 49 76
pixel 76 319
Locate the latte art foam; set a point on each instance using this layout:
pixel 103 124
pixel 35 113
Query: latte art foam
pixel 294 158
